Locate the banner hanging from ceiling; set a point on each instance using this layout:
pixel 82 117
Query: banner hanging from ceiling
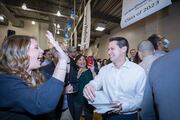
pixel 134 10
pixel 86 30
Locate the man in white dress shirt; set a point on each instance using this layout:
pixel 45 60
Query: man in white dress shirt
pixel 121 81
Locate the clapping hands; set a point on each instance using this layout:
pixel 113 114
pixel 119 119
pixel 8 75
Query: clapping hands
pixel 55 43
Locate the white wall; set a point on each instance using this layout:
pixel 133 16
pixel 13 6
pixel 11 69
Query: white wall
pixel 164 22
pixel 28 29
pixel 43 42
pixel 170 24
pixel 38 30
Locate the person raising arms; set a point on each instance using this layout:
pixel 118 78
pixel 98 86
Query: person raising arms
pixel 24 91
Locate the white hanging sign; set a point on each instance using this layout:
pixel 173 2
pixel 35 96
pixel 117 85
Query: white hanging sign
pixel 134 10
pixel 86 30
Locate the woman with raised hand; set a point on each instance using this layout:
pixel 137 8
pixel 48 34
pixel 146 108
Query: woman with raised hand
pixel 24 91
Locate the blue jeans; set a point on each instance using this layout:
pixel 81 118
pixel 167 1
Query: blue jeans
pixel 112 116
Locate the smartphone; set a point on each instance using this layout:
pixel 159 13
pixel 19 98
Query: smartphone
pixel 90 60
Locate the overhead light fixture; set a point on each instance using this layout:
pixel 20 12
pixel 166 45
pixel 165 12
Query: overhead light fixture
pixel 1 18
pixel 33 22
pixel 100 27
pixel 24 7
pixel 58 13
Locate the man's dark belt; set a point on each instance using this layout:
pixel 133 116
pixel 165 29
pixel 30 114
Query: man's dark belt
pixel 135 112
pixel 107 115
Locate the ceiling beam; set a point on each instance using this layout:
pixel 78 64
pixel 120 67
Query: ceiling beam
pixel 32 18
pixel 38 11
pixel 42 5
pixel 110 18
pixel 60 3
pixel 10 16
pixel 94 3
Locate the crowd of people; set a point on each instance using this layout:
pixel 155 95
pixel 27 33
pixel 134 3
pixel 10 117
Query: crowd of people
pixel 59 83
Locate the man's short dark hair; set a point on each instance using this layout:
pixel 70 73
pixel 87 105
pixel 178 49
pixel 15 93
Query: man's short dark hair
pixel 121 42
pixel 154 39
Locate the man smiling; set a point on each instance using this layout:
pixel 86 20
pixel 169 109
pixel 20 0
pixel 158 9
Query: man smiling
pixel 122 81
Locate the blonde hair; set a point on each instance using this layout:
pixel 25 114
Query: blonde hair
pixel 15 60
